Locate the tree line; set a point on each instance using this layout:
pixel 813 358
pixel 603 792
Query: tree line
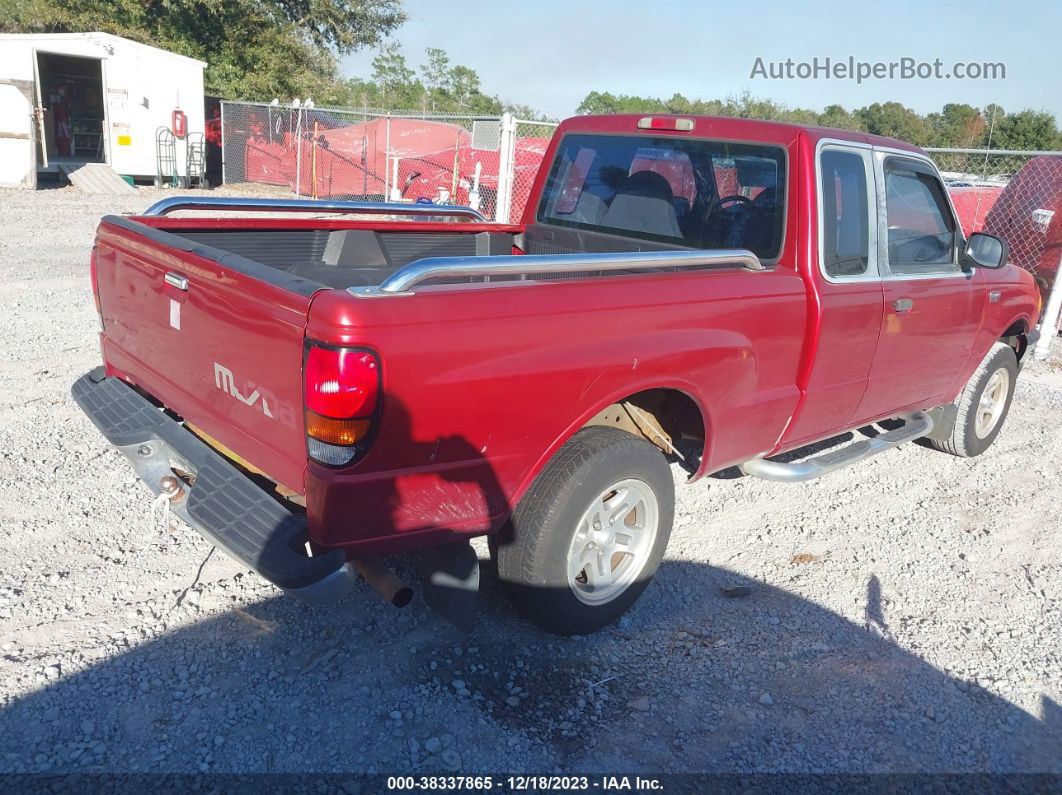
pixel 956 125
pixel 439 87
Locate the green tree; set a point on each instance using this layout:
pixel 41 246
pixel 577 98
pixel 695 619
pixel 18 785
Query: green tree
pixel 526 112
pixel 956 125
pixel 255 49
pixel 445 88
pixel 1028 129
pixel 464 85
pixel 841 118
pixel 390 72
pixel 597 103
pixel 436 74
pixel 679 104
pixel 993 113
pixel 895 121
pixel 747 106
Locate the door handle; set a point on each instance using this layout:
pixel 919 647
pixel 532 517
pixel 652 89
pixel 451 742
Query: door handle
pixel 174 279
pixel 902 304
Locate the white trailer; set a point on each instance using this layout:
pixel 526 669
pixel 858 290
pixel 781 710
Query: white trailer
pixel 72 98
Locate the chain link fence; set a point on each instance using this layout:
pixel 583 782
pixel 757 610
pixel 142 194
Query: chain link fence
pixel 530 141
pixel 1012 194
pixel 481 161
pixel 363 154
pixel 1016 196
pixel 977 166
pixel 1022 183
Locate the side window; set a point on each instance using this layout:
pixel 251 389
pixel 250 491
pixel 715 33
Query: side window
pixel 921 230
pixel 845 214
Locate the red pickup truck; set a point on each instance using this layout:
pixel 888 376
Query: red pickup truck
pixel 312 392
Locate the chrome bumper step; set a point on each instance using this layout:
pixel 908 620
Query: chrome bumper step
pixel 915 426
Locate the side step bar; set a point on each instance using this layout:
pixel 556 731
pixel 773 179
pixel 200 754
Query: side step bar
pixel 915 426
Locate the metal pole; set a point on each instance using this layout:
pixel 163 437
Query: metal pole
pixel 313 161
pixel 387 161
pixel 224 175
pixel 505 169
pixel 1049 319
pixel 298 154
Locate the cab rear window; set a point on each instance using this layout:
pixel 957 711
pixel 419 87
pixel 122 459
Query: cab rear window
pixel 697 193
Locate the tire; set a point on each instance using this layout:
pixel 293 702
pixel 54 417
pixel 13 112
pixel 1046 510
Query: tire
pixel 538 563
pixel 983 405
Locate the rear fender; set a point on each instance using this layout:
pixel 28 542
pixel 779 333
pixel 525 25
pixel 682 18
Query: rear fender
pixel 605 400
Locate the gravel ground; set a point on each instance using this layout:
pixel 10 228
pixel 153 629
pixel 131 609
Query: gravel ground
pixel 904 615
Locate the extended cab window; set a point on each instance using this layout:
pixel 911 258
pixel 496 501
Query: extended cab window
pixel 920 225
pixel 845 213
pixel 701 194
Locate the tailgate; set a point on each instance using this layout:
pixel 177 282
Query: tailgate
pixel 215 337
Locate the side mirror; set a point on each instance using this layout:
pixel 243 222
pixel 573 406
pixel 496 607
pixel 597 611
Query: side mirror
pixel 987 251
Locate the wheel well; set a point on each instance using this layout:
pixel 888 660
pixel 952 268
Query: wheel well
pixel 1014 336
pixel 662 416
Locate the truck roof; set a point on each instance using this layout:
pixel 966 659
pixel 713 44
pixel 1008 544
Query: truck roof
pixel 726 127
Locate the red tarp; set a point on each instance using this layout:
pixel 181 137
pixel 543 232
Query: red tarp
pixel 353 161
pixel 973 204
pixel 1028 215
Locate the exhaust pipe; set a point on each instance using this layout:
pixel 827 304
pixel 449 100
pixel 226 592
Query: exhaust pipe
pixel 383 581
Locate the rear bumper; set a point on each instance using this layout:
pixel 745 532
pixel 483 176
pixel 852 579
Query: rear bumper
pixel 220 502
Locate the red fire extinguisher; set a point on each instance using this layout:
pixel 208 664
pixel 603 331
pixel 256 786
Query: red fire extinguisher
pixel 179 123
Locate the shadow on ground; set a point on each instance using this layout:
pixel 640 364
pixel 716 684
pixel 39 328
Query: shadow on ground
pixel 679 686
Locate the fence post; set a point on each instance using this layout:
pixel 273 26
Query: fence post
pixel 313 162
pixel 387 161
pixel 1049 319
pixel 298 152
pixel 224 176
pixel 506 152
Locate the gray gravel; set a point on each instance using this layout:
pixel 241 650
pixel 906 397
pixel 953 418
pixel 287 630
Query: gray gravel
pixel 903 615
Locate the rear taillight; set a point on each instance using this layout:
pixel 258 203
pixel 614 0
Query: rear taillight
pixel 342 394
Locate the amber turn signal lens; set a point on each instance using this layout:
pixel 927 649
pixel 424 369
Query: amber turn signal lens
pixel 342 432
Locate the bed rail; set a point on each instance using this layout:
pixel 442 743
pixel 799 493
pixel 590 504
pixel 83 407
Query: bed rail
pixel 404 279
pixel 174 203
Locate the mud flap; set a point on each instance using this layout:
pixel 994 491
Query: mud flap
pixel 451 583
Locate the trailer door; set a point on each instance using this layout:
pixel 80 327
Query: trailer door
pixel 38 113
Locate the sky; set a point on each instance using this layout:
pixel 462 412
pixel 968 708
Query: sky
pixel 549 54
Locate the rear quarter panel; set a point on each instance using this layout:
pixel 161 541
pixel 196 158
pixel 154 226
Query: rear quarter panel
pixel 482 383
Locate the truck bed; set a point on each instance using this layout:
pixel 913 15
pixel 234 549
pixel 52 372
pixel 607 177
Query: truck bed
pixel 341 258
pixel 351 254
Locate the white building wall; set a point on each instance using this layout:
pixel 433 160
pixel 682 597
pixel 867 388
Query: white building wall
pixel 142 86
pixel 16 139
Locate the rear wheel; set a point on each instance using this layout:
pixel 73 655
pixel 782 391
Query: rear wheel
pixel 589 535
pixel 983 405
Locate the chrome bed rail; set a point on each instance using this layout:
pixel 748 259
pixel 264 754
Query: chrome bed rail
pixel 401 281
pixel 174 203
